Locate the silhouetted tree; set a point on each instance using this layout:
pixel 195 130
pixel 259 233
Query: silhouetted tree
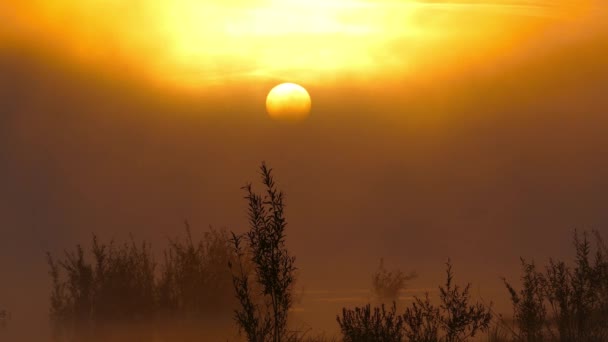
pixel 386 284
pixel 273 266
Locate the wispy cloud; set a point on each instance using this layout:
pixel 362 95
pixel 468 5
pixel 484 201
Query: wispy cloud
pixel 190 43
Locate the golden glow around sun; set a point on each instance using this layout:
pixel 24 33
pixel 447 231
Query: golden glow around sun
pixel 195 44
pixel 288 101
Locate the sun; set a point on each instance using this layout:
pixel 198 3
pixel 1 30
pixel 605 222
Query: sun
pixel 288 101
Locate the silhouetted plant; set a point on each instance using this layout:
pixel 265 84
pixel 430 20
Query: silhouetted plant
pixel 60 309
pixel 194 279
pixel 454 320
pixel 387 284
pixel 72 299
pixel 459 320
pixel 528 305
pixel 364 324
pixel 273 266
pixel 120 286
pixel 124 282
pixel 577 297
pixel 250 317
pixel 499 332
pixel 422 321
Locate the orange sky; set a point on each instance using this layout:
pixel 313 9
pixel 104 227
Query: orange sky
pixel 192 44
pixel 469 130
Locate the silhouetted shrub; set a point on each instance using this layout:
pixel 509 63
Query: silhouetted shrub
pixel 530 313
pixel 422 321
pixel 123 282
pixel 71 299
pixel 386 284
pixel 120 285
pixel 500 332
pixel 455 319
pixel 364 324
pixel 194 278
pixel 577 297
pixel 273 267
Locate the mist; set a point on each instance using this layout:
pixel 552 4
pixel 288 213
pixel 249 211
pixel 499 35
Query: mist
pixel 483 165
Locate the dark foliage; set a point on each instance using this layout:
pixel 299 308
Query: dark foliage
pixel 530 312
pixel 422 321
pixel 565 303
pixel 195 280
pixel 364 324
pixel 273 267
pixel 123 286
pixel 459 319
pixel 454 320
